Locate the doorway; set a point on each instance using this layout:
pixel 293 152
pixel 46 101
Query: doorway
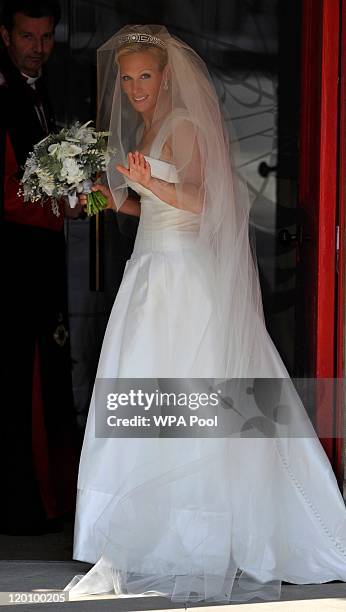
pixel 254 50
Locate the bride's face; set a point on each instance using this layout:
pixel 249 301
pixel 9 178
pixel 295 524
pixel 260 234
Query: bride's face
pixel 141 79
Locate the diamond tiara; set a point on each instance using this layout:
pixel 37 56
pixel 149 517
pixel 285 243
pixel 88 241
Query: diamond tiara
pixel 137 37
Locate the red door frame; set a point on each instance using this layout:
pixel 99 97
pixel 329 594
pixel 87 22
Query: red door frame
pixel 341 263
pixel 320 199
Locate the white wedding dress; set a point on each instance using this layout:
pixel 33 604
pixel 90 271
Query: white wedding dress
pixel 195 519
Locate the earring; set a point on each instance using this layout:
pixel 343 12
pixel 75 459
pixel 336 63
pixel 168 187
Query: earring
pixel 165 85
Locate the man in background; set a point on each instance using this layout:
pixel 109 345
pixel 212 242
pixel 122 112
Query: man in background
pixel 37 404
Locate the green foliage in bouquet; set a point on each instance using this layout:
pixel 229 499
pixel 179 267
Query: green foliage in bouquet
pixel 66 164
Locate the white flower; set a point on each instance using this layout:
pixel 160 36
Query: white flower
pixel 46 181
pixel 64 149
pixel 53 148
pixel 71 172
pixel 67 149
pixel 82 133
pixel 86 135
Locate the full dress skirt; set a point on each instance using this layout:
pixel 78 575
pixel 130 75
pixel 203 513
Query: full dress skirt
pixel 216 519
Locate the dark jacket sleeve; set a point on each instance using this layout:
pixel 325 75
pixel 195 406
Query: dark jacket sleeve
pixel 14 209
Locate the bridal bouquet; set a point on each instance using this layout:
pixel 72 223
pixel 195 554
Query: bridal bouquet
pixel 66 164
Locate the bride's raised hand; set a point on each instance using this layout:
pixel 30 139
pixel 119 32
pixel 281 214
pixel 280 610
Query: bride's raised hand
pixel 139 170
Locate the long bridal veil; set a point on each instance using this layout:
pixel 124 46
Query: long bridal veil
pixel 187 111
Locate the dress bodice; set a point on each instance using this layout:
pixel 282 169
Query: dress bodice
pixel 154 210
pixel 161 225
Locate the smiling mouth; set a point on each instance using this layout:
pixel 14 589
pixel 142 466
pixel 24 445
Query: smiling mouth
pixel 141 99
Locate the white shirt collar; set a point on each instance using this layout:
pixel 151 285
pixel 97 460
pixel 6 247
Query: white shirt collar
pixel 31 80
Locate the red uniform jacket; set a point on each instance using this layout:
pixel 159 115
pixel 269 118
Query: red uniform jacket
pixel 18 211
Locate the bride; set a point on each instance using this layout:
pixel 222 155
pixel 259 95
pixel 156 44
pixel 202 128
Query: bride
pixel 222 518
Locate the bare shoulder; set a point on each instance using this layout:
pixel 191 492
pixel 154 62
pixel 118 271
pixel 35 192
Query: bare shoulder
pixel 180 130
pixel 167 150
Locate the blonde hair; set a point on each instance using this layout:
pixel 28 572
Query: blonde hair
pixel 129 48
